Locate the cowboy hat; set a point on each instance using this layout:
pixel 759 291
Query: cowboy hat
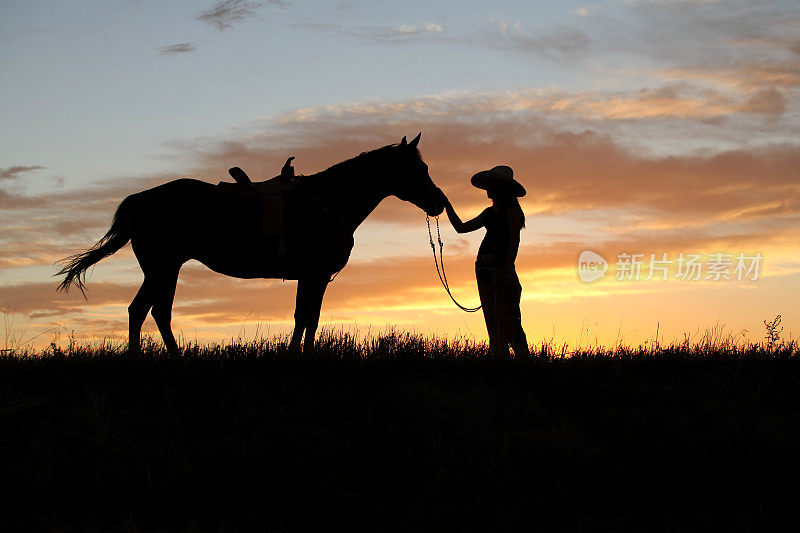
pixel 502 176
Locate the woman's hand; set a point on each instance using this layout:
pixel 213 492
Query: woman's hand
pixel 462 227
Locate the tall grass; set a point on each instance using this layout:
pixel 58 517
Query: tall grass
pixel 401 432
pixel 394 344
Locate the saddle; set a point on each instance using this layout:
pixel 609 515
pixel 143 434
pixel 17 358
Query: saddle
pixel 272 195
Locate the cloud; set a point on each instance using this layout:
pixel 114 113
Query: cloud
pixel 575 153
pixel 666 101
pixel 743 74
pixel 742 47
pixel 768 101
pixel 727 38
pixel 278 5
pixel 571 165
pixel 560 138
pixel 225 13
pixel 433 27
pixel 180 48
pixel 40 229
pixel 559 41
pixel 692 150
pixel 13 172
pixel 215 299
pixel 634 2
pixel 430 27
pixel 555 42
pixel 12 201
pixel 680 102
pixel 379 287
pixel 378 34
pixel 586 11
pixel 42 298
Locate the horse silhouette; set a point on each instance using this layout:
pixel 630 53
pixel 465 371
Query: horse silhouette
pixel 224 228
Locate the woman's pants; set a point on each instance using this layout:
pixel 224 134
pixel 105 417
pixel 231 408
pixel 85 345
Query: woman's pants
pixel 500 293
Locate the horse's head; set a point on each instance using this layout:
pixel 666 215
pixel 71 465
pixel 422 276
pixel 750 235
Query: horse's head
pixel 412 182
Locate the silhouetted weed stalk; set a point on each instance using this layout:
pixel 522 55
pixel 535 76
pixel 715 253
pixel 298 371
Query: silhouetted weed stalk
pixel 393 344
pixel 773 333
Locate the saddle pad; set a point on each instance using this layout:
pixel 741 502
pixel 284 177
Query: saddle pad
pixel 272 214
pixel 272 206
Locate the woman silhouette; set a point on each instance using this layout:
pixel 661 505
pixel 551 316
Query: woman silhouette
pixel 498 284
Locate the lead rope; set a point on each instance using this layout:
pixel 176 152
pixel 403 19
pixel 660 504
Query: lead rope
pixel 440 259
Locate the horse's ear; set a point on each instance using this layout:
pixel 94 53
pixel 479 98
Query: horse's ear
pixel 403 142
pixel 415 142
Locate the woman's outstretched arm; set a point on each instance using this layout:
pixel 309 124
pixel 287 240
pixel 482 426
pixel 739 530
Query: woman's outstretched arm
pixel 463 227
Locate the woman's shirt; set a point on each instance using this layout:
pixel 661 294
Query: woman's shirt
pixel 500 223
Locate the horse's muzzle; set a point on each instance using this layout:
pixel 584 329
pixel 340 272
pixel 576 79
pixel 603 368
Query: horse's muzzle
pixel 434 204
pixel 434 209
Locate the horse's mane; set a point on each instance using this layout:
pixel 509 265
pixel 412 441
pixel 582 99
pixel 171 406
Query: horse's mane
pixel 347 165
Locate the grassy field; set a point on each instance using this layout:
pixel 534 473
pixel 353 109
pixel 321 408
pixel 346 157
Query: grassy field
pixel 400 433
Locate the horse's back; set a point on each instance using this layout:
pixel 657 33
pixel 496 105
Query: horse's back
pixel 234 231
pixel 180 187
pixel 189 209
pixel 189 195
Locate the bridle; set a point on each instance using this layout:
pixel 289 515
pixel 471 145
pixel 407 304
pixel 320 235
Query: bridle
pixel 440 259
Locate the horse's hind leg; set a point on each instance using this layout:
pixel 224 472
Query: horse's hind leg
pixel 299 317
pixel 164 295
pixel 137 312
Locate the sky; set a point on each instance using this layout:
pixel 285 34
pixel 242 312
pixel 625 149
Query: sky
pixel 639 128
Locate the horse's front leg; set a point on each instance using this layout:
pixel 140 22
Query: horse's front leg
pixel 306 313
pixel 315 294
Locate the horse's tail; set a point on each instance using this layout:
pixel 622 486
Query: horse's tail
pixel 75 266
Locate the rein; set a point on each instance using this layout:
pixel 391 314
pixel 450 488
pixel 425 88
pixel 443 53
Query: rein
pixel 440 259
